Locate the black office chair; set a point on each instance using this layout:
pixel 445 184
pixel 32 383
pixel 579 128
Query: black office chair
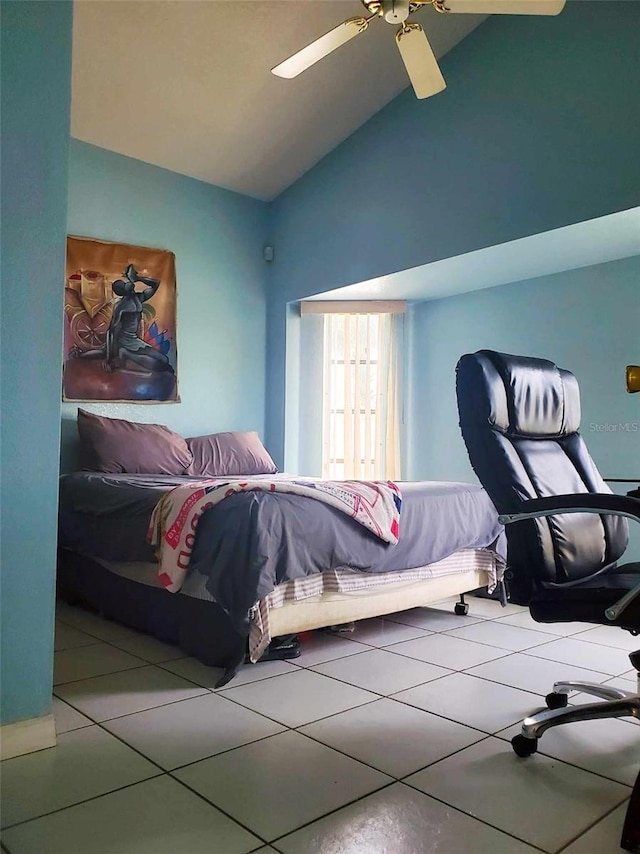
pixel 519 418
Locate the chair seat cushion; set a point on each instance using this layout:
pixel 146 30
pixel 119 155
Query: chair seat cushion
pixel 587 602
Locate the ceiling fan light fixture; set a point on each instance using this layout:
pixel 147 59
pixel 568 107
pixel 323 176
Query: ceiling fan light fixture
pixel 419 60
pixel 320 48
pixel 501 7
pixel 395 11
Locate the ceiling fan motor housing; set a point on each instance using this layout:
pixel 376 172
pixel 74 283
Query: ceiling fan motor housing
pixel 393 11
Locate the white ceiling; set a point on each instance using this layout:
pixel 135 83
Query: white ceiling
pixel 186 84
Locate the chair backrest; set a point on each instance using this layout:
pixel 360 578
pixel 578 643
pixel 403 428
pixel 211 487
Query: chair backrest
pixel 520 418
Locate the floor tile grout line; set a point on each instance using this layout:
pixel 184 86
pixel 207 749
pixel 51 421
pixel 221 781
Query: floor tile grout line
pixel 477 818
pixel 129 714
pixel 162 773
pixel 385 696
pixel 83 801
pixel 590 828
pixel 484 734
pixel 333 811
pixel 402 783
pixel 532 654
pixel 207 692
pixel 114 643
pixel 306 723
pixel 80 646
pixel 309 667
pixel 430 632
pixel 483 737
pixel 220 809
pixel 220 691
pixel 101 675
pixel 587 770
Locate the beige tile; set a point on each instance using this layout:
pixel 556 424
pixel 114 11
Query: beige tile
pixel 316 647
pixel 380 671
pixel 201 674
pixel 495 633
pixel 533 674
pixel 604 838
pixel 392 737
pixel 159 816
pixel 524 620
pixel 91 623
pixel 275 785
pixel 399 820
pixel 68 718
pixel 475 702
pixel 127 692
pixel 489 609
pixel 147 647
pixel 191 730
pixel 85 763
pixel 434 619
pixel 381 632
pixel 611 636
pixel 607 747
pixel 67 637
pixel 446 651
pixel 299 698
pixel 579 653
pixel 489 781
pixel 83 662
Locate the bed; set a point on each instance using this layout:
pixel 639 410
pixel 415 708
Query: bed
pixel 264 564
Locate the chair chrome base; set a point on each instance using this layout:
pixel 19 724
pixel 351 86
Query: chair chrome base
pixel 626 705
pixel 617 704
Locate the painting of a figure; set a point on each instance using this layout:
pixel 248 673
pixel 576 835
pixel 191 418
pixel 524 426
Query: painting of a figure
pixel 120 323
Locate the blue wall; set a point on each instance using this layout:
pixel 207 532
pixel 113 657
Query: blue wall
pixel 586 321
pixel 217 237
pixel 36 75
pixel 537 129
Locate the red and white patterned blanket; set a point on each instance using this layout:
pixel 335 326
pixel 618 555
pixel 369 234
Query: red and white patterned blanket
pixel 374 504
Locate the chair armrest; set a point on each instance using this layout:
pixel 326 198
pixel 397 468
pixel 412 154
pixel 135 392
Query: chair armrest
pixel 587 502
pixel 592 502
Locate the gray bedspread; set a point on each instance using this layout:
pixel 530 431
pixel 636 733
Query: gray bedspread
pixel 252 541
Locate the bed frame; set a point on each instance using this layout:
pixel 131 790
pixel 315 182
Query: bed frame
pixel 202 629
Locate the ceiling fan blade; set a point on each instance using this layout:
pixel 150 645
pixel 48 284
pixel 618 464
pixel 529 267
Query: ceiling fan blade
pixel 506 7
pixel 419 60
pixel 320 48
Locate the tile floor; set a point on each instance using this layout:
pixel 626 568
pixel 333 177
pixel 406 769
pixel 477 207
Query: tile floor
pixel 390 740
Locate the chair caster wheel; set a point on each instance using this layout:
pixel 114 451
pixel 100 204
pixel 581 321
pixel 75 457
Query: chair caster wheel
pixel 556 701
pixel 523 746
pixel 461 609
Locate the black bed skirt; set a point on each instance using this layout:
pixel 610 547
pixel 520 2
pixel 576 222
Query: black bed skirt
pixel 199 628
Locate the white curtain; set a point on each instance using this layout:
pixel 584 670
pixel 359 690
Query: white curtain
pixel 361 388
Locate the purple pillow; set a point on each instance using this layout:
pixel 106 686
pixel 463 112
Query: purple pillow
pixel 116 446
pixel 222 454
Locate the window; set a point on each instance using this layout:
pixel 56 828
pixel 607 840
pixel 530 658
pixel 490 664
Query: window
pixel 361 438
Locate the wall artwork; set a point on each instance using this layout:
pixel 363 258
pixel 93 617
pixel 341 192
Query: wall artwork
pixel 119 323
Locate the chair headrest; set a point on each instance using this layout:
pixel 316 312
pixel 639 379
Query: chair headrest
pixel 530 398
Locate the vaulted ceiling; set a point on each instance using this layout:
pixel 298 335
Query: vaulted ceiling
pixel 186 84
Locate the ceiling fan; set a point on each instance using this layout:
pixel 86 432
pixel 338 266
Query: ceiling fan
pixel 415 50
